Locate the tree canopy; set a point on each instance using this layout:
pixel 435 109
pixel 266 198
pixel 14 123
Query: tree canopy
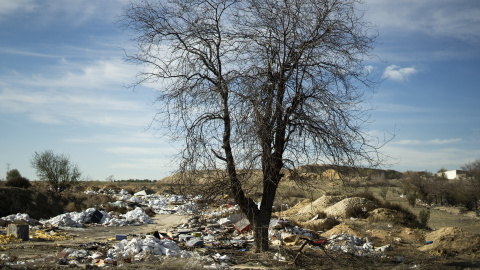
pixel 257 84
pixel 56 169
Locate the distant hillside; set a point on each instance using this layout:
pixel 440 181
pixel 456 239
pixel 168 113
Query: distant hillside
pixel 319 169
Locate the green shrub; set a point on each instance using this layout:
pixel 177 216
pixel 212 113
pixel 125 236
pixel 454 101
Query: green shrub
pixel 412 199
pixel 13 174
pixel 20 182
pixel 423 217
pixel 401 216
pixel 295 193
pixel 384 192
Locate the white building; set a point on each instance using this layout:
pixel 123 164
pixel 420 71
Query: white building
pixel 453 174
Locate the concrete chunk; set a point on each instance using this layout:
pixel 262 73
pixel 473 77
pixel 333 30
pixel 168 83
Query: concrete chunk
pixel 19 231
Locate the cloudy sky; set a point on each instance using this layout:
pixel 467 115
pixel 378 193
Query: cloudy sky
pixel 63 87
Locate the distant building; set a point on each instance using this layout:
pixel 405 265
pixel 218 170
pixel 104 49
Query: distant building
pixel 452 175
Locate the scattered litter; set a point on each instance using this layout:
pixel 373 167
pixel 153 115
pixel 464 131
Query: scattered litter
pixel 19 217
pixel 243 225
pixel 279 257
pixel 77 219
pixel 139 248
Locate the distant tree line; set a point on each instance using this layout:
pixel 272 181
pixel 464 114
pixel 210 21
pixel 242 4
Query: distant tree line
pixel 137 180
pixel 437 189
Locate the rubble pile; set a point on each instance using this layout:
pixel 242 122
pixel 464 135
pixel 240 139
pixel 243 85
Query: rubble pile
pixel 77 219
pixel 151 245
pixel 351 244
pixel 18 217
pixel 218 229
pixel 133 217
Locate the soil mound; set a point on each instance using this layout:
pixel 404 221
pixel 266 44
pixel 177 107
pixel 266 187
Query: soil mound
pixel 450 241
pixel 319 205
pixel 340 208
pixel 339 229
pixel 382 214
pixel 295 210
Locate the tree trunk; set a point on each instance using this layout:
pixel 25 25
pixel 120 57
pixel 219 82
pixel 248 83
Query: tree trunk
pixel 260 230
pixel 262 217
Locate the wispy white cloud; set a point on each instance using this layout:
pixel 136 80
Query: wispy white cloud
pixel 12 6
pixel 71 12
pixel 398 73
pixel 429 142
pixel 119 137
pixel 88 93
pixel 419 159
pixel 143 163
pixel 16 51
pixel 444 18
pixel 137 150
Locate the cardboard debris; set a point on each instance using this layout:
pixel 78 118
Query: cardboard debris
pixel 243 225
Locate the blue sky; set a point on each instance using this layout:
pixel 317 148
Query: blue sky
pixel 63 87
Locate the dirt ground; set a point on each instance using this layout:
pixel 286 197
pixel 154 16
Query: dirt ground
pixel 30 250
pixel 455 245
pixel 409 249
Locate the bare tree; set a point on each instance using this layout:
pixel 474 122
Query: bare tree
pixel 257 84
pixel 471 184
pixel 57 169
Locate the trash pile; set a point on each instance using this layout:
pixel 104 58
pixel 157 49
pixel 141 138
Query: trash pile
pixel 50 235
pixel 139 248
pixel 78 219
pixel 136 216
pixel 18 217
pixel 161 204
pixel 221 228
pixel 351 244
pixel 8 239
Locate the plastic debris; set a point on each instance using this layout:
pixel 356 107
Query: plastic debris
pixel 19 217
pixel 139 248
pixel 76 219
pixel 351 244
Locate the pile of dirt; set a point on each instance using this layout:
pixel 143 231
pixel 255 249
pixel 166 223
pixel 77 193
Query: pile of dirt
pixel 382 214
pixel 339 229
pixel 411 236
pixel 295 210
pixel 450 241
pixel 319 205
pixel 340 208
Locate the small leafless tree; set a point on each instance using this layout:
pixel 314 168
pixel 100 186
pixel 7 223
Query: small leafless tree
pixel 57 169
pixel 257 84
